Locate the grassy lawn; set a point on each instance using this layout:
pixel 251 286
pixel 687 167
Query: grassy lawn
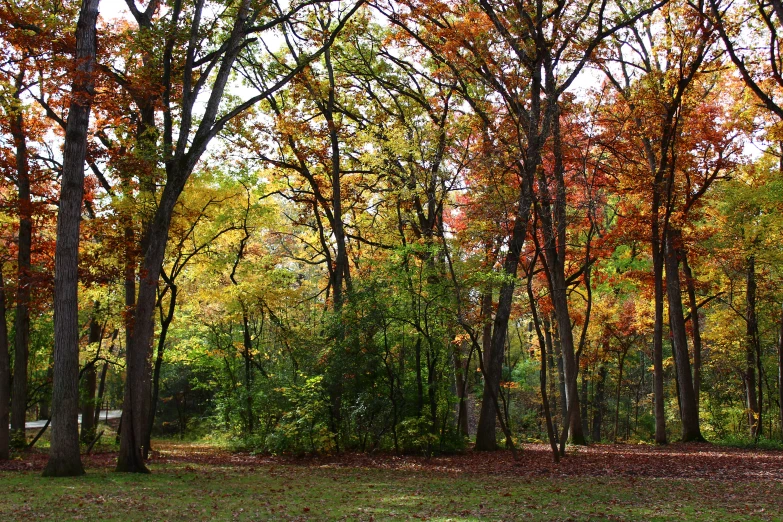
pixel 314 491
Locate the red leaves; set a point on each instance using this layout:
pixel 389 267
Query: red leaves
pixel 600 460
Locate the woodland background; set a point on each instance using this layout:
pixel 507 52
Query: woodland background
pixel 316 226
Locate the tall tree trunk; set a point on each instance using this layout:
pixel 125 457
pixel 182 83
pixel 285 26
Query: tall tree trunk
pixel 585 413
pixel 179 166
pixel 690 417
pixel 164 329
pixel 598 404
pixel 102 380
pixel 130 281
pixel 432 386
pixel 553 223
pixel 620 367
pixel 247 344
pixel 561 380
pixel 90 378
pixel 696 327
pixel 419 379
pixel 486 351
pixel 780 374
pixel 486 316
pixel 542 345
pixel 341 269
pixel 751 349
pixel 550 350
pixel 137 397
pixel 64 459
pixel 676 375
pixel 658 269
pixel 460 375
pixel 485 432
pixel 340 274
pixel 550 430
pixel 569 361
pixel 24 286
pixel 5 374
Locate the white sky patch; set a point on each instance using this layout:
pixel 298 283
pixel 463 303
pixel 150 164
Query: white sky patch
pixel 110 10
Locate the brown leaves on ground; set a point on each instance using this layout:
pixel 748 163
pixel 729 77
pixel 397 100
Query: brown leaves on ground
pixel 704 461
pixel 674 461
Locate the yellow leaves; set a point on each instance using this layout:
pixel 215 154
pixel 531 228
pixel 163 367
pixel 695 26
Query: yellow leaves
pixel 460 338
pixel 775 131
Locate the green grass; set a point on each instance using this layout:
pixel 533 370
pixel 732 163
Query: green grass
pixel 745 442
pixel 298 492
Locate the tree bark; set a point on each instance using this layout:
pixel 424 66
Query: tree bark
pixel 570 367
pixel 460 375
pixel 64 459
pixel 5 374
pixel 598 404
pixel 551 210
pixel 542 345
pixel 102 381
pixel 620 367
pixel 561 380
pixel 341 272
pixel 689 412
pixel 751 349
pixel 164 329
pixel 658 393
pixel 130 281
pixel 695 327
pixel 24 286
pixel 419 380
pixel 135 411
pixel 247 344
pixel 490 414
pixel 584 403
pixel 780 374
pixel 90 380
pixel 550 430
pixel 553 382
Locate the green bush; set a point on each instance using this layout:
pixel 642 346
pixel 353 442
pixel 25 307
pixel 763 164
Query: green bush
pixel 302 428
pixel 415 435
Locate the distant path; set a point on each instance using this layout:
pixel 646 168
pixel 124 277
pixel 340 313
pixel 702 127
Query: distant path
pixel 105 415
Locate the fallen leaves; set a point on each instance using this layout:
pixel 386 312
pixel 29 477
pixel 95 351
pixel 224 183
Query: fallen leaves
pixel 705 461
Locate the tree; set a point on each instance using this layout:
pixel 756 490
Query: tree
pixel 198 224
pixel 481 44
pixel 663 104
pixel 744 243
pixel 24 280
pixel 5 373
pixel 750 31
pixel 64 458
pixel 182 151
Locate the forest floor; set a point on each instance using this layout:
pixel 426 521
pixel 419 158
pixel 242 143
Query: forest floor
pixel 601 482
